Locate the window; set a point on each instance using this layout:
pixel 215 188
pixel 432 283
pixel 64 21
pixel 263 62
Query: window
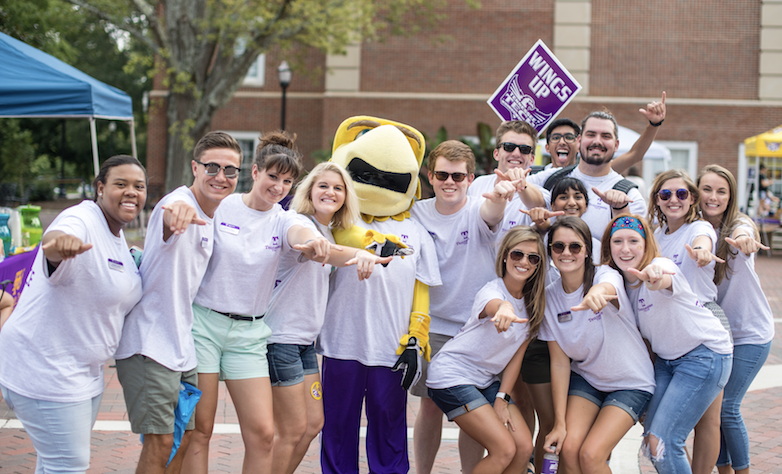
pixel 248 141
pixel 256 75
pixel 683 155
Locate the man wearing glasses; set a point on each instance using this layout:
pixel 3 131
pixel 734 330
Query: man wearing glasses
pixel 464 229
pixel 156 352
pixel 515 151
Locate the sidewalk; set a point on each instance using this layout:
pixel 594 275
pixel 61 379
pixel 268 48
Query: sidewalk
pixel 116 449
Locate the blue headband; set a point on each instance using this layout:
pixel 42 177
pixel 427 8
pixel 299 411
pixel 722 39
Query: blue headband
pixel 628 223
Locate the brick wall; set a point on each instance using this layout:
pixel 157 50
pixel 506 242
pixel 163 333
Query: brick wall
pixel 694 48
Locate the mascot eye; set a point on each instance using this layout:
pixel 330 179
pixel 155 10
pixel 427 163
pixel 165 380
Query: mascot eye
pixel 361 133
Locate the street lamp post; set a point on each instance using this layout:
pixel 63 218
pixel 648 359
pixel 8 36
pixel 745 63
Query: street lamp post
pixel 284 74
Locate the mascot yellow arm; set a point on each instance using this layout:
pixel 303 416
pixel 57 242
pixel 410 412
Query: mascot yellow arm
pixel 419 321
pixel 361 238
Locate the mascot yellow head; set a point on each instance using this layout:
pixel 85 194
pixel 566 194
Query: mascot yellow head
pixel 383 157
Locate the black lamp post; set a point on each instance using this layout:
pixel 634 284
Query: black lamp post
pixel 284 74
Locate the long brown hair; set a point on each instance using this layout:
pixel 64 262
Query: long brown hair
pixel 656 214
pixel 731 219
pixel 534 291
pixel 577 225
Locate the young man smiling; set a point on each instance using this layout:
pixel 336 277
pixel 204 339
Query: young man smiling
pixel 464 229
pixel 156 351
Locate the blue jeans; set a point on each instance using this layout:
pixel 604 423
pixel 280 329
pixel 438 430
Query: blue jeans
pixel 685 388
pixel 734 447
pixel 460 399
pixel 60 432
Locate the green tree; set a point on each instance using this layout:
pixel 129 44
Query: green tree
pixel 196 44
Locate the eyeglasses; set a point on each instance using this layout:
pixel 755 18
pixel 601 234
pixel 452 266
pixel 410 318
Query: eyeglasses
pixel 213 168
pixel 559 247
pixel 681 194
pixel 517 255
pixel 509 147
pixel 443 176
pixel 569 137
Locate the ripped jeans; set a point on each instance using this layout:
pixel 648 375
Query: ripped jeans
pixel 686 387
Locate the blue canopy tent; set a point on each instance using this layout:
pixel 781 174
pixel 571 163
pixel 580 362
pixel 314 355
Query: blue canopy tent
pixel 35 84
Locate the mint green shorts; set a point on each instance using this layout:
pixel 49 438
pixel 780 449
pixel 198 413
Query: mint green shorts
pixel 234 349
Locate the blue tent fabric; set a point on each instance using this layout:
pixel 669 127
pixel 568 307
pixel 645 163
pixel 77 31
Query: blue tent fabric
pixel 35 84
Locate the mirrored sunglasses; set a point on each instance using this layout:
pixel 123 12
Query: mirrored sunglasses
pixel 681 194
pixel 213 168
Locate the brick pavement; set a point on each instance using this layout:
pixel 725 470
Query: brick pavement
pixel 118 451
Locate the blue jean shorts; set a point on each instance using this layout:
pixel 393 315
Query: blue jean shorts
pixel 289 363
pixel 634 402
pixel 460 399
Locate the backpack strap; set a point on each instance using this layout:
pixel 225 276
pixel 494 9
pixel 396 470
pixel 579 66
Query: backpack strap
pixel 552 180
pixel 625 185
pixel 535 169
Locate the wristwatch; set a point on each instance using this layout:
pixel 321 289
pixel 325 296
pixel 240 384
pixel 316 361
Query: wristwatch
pixel 504 396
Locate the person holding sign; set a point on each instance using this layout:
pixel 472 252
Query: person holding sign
pixel 600 395
pixel 69 319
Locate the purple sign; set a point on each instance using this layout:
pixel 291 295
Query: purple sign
pixel 16 268
pixel 537 89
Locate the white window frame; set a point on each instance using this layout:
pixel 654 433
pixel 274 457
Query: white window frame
pixel 246 136
pixel 259 79
pixel 692 158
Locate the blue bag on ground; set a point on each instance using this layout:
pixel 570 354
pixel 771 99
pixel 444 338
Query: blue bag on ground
pixel 188 398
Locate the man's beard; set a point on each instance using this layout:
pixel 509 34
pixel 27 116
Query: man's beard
pixel 594 160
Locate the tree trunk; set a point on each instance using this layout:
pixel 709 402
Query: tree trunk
pixel 182 108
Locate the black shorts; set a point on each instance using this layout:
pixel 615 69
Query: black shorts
pixel 536 366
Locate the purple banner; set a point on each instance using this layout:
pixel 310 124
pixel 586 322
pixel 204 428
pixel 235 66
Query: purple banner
pixel 16 268
pixel 537 89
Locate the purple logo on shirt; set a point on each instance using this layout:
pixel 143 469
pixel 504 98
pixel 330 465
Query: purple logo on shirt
pixel 275 244
pixel 677 260
pixel 642 306
pixel 464 238
pixel 597 317
pixel 405 238
pixel 277 282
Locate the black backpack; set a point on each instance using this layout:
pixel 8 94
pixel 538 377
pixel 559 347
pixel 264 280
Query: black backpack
pixel 624 185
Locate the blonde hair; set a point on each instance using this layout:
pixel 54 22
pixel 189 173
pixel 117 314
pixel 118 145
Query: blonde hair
pixel 534 291
pixel 651 249
pixel 731 219
pixel 656 213
pixel 347 215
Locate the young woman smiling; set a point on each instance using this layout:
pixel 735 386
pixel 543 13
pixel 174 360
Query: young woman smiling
pixel 690 242
pixel 326 197
pixel 463 377
pixel 746 307
pixel 69 319
pixel 598 396
pixel 693 349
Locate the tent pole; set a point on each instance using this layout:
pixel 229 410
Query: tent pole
pixel 133 138
pixel 94 135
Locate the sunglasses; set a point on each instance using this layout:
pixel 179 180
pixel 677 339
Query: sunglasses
pixel 517 255
pixel 681 194
pixel 569 137
pixel 509 147
pixel 559 247
pixel 443 176
pixel 213 168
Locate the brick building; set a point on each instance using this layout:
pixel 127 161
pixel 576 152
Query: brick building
pixel 720 63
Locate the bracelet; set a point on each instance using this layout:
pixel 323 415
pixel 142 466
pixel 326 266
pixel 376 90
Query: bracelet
pixel 305 243
pixel 620 208
pixel 504 396
pixel 656 124
pixel 740 235
pixel 697 248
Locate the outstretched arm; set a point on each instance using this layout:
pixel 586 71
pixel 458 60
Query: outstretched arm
pixel 655 114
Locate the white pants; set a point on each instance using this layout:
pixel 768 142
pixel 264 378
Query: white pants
pixel 60 432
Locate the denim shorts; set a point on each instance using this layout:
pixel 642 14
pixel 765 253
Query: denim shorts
pixel 460 399
pixel 289 363
pixel 634 402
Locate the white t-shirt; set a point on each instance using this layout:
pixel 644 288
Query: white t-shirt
pixel 478 353
pixel 466 253
pixel 366 319
pixel 598 213
pixel 298 303
pixel 675 321
pixel 68 324
pixel 513 216
pixel 701 279
pixel 741 297
pixel 605 347
pixel 248 247
pixel 160 325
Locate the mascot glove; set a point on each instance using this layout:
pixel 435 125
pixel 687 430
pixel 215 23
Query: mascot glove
pixel 410 363
pixel 385 245
pixel 419 329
